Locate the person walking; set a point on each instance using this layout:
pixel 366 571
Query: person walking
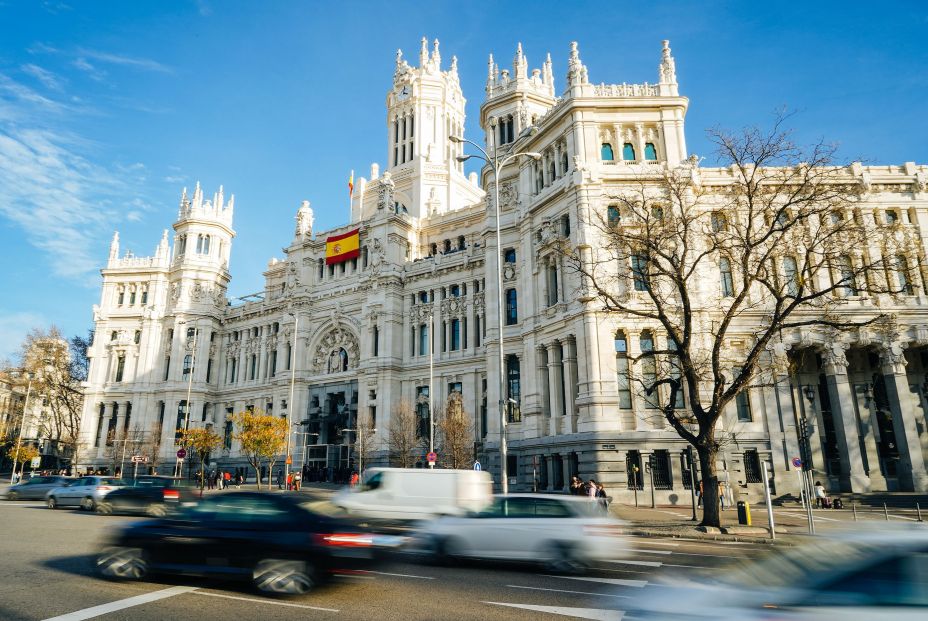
pixel 280 479
pixel 591 490
pixel 297 480
pixel 722 495
pixel 576 486
pixel 602 498
pixel 699 494
pixel 821 498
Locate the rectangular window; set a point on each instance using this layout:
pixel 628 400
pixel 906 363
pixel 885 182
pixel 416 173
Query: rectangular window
pixel 728 285
pixel 640 272
pixel 512 307
pixel 227 435
pixel 376 339
pixel 120 367
pixel 752 469
pixel 622 375
pixel 455 334
pixel 455 387
pixel 209 370
pixel 509 255
pixel 660 466
pixel 289 355
pixel 423 340
pixel 743 406
pixel 634 475
pixel 144 297
pixel 273 367
pixel 552 284
pixel 167 367
pixel 648 372
pixel 514 389
pixel 181 417
pixel 234 370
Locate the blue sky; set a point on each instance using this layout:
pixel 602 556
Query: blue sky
pixel 107 110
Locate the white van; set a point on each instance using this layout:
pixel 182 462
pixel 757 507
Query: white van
pixel 414 494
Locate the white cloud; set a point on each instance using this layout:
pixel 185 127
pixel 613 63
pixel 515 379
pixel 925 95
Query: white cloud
pixel 128 61
pixel 46 77
pixel 92 71
pixel 175 178
pixel 13 330
pixel 64 202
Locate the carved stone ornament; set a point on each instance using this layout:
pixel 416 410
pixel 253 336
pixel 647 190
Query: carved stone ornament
pixel 509 272
pixel 338 351
pixel 175 292
pixel 293 278
pixel 834 356
pixel 508 195
pixel 385 198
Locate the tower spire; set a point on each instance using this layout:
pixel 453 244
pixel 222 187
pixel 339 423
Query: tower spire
pixel 114 246
pixel 436 56
pixel 520 63
pixel 424 52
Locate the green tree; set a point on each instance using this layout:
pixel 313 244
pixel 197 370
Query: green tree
pixel 202 441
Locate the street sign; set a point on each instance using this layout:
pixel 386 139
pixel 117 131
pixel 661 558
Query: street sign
pixel 140 459
pixel 181 453
pixel 797 462
pixel 431 457
pixel 289 460
pixel 477 466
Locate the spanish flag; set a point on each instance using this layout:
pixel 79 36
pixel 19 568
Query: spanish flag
pixel 351 184
pixel 342 247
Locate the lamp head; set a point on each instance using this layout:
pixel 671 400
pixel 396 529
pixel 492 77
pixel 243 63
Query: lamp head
pixel 533 155
pixel 463 158
pixel 454 138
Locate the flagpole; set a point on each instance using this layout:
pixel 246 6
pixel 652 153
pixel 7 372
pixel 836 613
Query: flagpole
pixel 350 193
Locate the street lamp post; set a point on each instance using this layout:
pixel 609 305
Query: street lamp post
pixel 193 362
pixel 497 163
pixel 22 424
pixel 431 378
pixel 293 359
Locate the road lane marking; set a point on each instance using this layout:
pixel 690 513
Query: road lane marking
pixel 616 581
pixel 129 602
pixel 645 541
pixel 642 563
pixel 518 586
pixel 651 551
pixel 384 573
pixel 695 554
pixel 264 601
pixel 596 614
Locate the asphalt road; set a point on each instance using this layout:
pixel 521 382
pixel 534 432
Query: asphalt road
pixel 47 559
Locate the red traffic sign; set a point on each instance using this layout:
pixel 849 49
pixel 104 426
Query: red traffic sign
pixel 181 453
pixel 432 457
pixel 797 462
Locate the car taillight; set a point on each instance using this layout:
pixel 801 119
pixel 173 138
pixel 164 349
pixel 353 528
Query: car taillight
pixel 171 494
pixel 103 488
pixel 345 540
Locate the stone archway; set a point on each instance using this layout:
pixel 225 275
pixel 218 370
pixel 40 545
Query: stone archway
pixel 337 351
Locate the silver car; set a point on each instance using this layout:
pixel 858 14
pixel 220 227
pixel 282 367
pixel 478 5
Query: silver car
pixel 35 488
pixel 85 492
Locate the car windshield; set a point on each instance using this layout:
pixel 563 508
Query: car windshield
pixel 111 482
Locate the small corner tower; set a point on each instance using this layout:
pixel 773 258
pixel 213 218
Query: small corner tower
pixel 515 100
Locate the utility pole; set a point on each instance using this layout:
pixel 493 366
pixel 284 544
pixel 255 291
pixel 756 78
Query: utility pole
pixel 293 359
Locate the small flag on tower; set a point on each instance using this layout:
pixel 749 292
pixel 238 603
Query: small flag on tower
pixel 351 184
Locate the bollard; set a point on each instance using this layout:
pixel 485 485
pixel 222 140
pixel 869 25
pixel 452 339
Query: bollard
pixel 854 507
pixel 918 512
pixel 885 512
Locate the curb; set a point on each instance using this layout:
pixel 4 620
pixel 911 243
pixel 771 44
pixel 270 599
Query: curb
pixel 703 536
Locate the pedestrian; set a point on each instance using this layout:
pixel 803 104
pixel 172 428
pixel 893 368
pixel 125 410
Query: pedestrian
pixel 297 480
pixel 602 498
pixel 576 486
pixel 280 479
pixel 699 494
pixel 591 490
pixel 722 495
pixel 239 479
pixel 226 479
pixel 821 498
pixel 354 479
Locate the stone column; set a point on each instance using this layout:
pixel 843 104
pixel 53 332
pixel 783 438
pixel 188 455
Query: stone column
pixel 120 421
pixel 565 469
pixel 869 432
pixel 555 377
pixel 549 465
pixel 852 478
pixel 101 441
pixel 912 475
pixel 541 375
pixel 570 384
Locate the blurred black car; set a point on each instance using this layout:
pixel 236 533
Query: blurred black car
pixel 273 540
pixel 148 495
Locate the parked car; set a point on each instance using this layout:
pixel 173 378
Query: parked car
pixel 564 533
pixel 148 495
pixel 275 541
pixel 85 492
pixel 414 494
pixel 35 488
pixel 872 576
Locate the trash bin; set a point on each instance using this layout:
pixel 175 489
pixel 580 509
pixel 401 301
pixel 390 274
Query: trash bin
pixel 744 513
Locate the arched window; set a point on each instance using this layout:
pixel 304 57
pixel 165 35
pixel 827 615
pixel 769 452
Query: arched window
pixel 791 275
pixel 605 153
pixel 512 307
pixel 650 153
pixel 675 373
pixel 848 278
pixel 728 285
pixel 622 374
pixel 564 163
pixel 120 367
pixel 447 246
pixel 205 249
pixel 254 367
pixel 462 242
pixel 719 222
pixel 138 337
pixel 552 171
pixel 628 152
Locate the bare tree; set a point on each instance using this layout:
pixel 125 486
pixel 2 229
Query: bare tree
pixel 404 434
pixel 455 434
pixel 721 266
pixel 364 441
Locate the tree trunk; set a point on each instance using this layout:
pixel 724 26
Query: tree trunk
pixel 257 475
pixel 711 510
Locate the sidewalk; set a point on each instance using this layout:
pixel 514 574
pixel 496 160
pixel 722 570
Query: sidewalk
pixel 676 521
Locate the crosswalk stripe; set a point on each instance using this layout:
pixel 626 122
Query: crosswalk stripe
pixel 596 614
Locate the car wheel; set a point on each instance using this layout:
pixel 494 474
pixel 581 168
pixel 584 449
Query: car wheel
pixel 104 508
pixel 12 496
pixel 155 510
pixel 123 563
pixel 52 502
pixel 88 504
pixel 442 550
pixel 562 558
pixel 283 577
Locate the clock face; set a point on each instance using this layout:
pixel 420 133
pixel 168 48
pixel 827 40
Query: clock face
pixel 404 93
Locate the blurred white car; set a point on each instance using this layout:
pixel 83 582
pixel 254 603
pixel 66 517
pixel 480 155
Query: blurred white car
pixel 564 533
pixel 85 492
pixel 872 576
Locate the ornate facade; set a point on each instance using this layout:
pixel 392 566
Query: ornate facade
pixel 854 405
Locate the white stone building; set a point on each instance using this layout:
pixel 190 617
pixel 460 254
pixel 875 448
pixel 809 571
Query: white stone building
pixel 427 248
